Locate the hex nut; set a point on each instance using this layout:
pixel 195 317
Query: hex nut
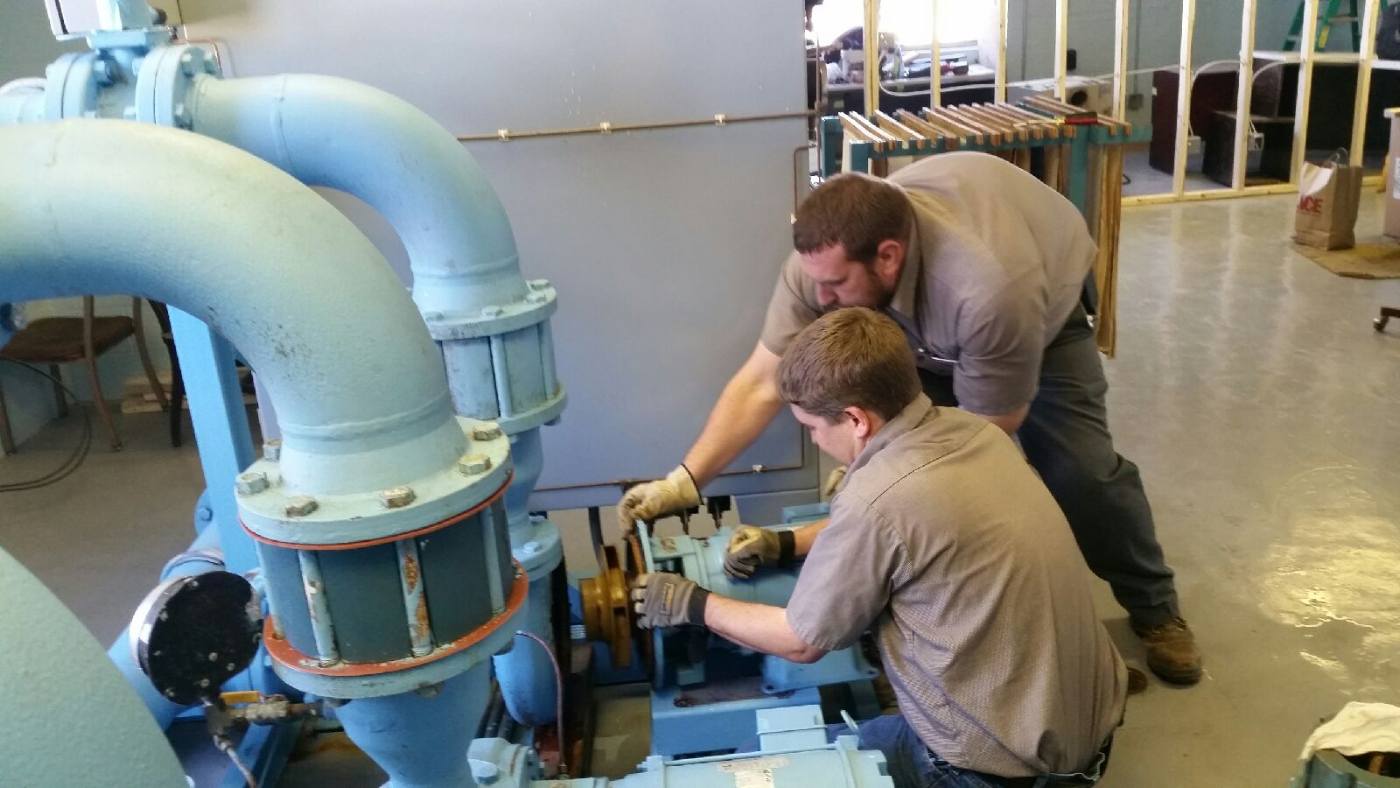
pixel 538 284
pixel 397 497
pixel 488 433
pixel 537 298
pixel 300 506
pixel 474 463
pixel 250 482
pixel 272 449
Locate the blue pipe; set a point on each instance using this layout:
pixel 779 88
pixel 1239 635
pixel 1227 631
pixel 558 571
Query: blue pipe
pixel 345 135
pixel 525 672
pixel 81 224
pixel 420 738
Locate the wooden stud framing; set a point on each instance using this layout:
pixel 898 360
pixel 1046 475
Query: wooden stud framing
pixel 935 67
pixel 1061 47
pixel 999 91
pixel 1307 42
pixel 1120 60
pixel 871 42
pixel 1363 81
pixel 1244 98
pixel 1183 95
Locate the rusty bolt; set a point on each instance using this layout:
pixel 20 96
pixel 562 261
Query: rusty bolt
pixel 251 482
pixel 326 663
pixel 492 311
pixel 488 433
pixel 272 449
pixel 397 497
pixel 473 464
pixel 300 506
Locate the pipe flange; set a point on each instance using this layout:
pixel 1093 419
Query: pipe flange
pixel 537 547
pixel 538 416
pixel 165 85
pixel 539 303
pixel 373 680
pixel 71 91
pixel 301 519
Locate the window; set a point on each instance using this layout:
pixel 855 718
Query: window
pixel 910 20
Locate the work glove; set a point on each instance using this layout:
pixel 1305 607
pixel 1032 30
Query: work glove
pixel 657 499
pixel 750 548
pixel 662 599
pixel 833 482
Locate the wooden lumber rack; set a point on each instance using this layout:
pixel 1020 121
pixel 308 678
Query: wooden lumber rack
pixel 1078 153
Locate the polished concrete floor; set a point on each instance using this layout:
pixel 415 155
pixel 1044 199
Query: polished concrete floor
pixel 1250 388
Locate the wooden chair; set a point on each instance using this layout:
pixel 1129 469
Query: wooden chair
pixel 61 340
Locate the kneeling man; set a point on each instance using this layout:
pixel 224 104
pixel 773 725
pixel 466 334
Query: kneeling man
pixel 945 541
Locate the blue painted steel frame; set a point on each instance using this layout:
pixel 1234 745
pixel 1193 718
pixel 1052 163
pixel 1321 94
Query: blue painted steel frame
pixel 220 427
pixel 680 729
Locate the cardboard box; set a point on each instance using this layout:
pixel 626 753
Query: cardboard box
pixel 1392 177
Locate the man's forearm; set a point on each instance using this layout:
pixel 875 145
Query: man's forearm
pixel 804 537
pixel 743 410
pixel 759 627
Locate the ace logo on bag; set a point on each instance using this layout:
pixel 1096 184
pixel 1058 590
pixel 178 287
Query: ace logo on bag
pixel 1328 197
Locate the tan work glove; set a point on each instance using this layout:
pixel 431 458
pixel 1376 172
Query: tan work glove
pixel 751 547
pixel 833 482
pixel 657 499
pixel 662 599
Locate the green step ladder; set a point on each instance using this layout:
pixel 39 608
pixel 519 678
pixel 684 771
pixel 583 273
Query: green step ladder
pixel 1332 16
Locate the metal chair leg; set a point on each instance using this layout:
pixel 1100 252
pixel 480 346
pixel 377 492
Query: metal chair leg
pixel 7 436
pixel 1387 312
pixel 101 402
pixel 145 354
pixel 60 398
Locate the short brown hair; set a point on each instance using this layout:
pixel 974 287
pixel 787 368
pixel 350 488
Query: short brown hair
pixel 855 210
pixel 850 357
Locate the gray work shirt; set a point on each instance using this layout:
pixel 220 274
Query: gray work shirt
pixel 996 263
pixel 948 543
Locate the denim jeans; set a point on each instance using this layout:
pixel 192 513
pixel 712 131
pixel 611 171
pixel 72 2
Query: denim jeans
pixel 912 765
pixel 1066 438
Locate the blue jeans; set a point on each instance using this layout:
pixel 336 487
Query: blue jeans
pixel 912 765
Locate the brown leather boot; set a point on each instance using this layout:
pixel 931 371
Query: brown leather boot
pixel 1171 651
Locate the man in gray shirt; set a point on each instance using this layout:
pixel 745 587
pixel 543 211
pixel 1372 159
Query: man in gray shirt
pixel 945 541
pixel 983 267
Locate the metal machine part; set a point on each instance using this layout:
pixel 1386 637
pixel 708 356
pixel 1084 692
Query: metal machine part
pixel 706 689
pixel 793 751
pixel 191 634
pixel 387 607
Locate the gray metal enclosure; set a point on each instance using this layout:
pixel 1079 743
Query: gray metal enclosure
pixel 664 244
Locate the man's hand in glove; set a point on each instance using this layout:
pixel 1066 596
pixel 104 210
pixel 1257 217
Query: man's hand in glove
pixel 657 499
pixel 750 548
pixel 662 599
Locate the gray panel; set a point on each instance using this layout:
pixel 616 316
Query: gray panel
pixel 365 597
pixel 454 579
pixel 664 245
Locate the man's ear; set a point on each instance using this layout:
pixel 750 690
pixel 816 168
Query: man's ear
pixel 860 420
pixel 889 256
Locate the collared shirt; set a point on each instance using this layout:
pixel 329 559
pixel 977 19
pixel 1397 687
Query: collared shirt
pixel 995 264
pixel 947 542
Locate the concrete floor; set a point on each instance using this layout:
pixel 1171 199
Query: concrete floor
pixel 1250 388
